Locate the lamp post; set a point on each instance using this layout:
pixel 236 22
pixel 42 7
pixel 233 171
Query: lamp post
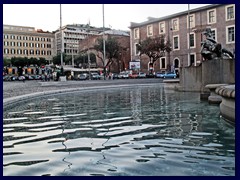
pixel 89 72
pixel 104 53
pixel 61 35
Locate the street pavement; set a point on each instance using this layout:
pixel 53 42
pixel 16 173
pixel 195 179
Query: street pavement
pixel 13 89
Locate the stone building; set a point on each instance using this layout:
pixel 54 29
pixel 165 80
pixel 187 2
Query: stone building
pixel 23 41
pixel 184 31
pixel 120 64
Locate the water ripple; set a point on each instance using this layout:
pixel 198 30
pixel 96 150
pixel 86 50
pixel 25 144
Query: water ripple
pixel 138 131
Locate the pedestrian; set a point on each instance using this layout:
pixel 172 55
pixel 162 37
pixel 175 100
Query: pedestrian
pixel 23 78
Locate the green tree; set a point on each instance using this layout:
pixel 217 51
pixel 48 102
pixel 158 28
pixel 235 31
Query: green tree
pixel 57 59
pixel 154 48
pixel 6 62
pixel 83 59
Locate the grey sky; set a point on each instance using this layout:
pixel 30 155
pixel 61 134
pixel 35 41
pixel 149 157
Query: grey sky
pixel 118 16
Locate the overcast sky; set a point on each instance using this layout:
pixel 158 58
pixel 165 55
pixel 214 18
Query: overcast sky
pixel 117 16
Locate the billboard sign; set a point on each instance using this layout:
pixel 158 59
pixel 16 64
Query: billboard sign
pixel 134 65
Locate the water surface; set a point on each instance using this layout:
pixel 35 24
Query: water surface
pixel 140 131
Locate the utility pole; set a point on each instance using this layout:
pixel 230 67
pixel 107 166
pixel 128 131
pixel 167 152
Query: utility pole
pixel 104 53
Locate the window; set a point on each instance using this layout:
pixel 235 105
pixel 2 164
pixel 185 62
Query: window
pixel 5 43
pixel 211 16
pixel 230 30
pixel 31 51
pixel 230 12
pixel 214 34
pixel 48 45
pixel 25 44
pixel 25 38
pixel 6 51
pixel 19 44
pixel 12 37
pixel 161 27
pixel 191 40
pixel 175 25
pixel 12 43
pixel 25 52
pixel 19 51
pixel 49 53
pixel 42 45
pixel 176 43
pixel 5 36
pixel 37 52
pixel 43 52
pixel 12 51
pixel 136 33
pixel 149 30
pixel 136 50
pixel 191 20
pixel 31 45
pixel 163 63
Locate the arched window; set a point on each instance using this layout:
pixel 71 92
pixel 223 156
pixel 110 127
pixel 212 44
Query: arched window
pixel 176 63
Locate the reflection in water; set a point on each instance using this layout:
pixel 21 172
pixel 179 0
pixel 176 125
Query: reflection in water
pixel 137 131
pixel 65 147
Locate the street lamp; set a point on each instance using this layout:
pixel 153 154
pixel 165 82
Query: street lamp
pixel 61 46
pixel 104 53
pixel 89 72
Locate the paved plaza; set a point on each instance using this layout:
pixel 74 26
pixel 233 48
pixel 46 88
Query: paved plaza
pixel 16 90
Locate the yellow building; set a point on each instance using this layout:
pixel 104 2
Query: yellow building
pixel 23 41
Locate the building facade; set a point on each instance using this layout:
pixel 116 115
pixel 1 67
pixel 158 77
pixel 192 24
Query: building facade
pixel 69 39
pixel 184 31
pixel 23 41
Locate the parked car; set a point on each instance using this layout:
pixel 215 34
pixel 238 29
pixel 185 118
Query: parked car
pixel 142 75
pixel 170 75
pixel 150 75
pixel 95 76
pixel 133 76
pixel 37 77
pixel 84 76
pixel 123 75
pixel 115 76
pixel 159 75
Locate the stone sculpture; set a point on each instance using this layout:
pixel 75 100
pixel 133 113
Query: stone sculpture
pixel 211 49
